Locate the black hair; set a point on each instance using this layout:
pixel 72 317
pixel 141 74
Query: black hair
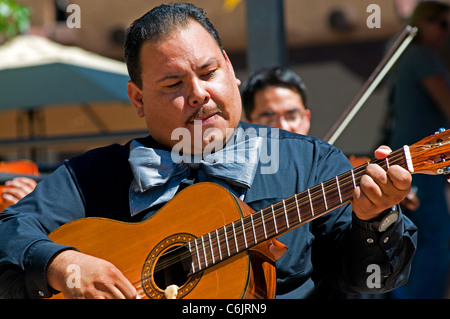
pixel 275 76
pixel 155 26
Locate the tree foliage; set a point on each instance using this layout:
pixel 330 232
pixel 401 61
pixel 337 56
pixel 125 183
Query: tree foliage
pixel 14 19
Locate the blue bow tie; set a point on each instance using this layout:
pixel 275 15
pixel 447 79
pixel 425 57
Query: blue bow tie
pixel 157 177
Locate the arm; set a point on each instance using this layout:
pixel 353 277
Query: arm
pixel 24 244
pixel 379 189
pixel 17 189
pixel 98 279
pixel 42 264
pixel 363 248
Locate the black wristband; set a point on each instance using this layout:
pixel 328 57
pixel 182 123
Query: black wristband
pixel 381 223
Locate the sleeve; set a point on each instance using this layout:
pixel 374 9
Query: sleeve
pixel 377 262
pixel 25 248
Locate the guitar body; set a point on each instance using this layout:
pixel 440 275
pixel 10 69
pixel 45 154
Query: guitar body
pixel 137 249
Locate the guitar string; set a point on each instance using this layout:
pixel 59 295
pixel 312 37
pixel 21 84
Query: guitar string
pixel 395 158
pixel 258 220
pixel 241 228
pixel 286 208
pixel 291 203
pixel 348 180
pixel 357 172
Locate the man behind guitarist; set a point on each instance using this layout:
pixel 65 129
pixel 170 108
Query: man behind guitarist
pixel 182 81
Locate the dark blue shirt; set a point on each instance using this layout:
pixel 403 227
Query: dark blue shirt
pixel 327 257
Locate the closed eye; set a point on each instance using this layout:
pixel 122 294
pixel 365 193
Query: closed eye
pixel 174 85
pixel 209 74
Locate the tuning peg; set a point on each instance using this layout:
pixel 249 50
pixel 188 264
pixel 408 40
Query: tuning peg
pixel 445 170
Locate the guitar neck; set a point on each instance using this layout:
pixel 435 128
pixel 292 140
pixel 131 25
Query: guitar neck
pixel 283 216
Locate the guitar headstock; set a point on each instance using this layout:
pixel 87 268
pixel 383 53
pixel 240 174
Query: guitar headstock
pixel 431 155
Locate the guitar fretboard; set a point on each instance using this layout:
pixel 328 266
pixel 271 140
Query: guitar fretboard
pixel 283 216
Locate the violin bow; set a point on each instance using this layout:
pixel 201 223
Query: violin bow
pixel 400 44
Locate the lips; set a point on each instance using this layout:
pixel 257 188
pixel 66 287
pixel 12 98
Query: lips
pixel 203 115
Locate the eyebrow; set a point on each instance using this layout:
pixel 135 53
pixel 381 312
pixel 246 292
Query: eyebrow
pixel 209 63
pixel 172 76
pixel 270 112
pixel 169 77
pixel 266 113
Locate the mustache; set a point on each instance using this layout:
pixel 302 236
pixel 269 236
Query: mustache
pixel 204 112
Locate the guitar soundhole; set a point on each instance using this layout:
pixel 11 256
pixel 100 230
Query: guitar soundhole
pixel 169 263
pixel 172 267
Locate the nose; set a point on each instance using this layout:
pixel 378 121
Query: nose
pixel 198 94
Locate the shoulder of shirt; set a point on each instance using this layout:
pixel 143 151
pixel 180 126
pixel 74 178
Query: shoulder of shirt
pixel 113 153
pixel 121 151
pixel 271 132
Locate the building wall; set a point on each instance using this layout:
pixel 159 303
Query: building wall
pixel 334 64
pixel 306 22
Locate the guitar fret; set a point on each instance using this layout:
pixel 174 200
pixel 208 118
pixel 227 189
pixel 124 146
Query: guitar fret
pixel 243 231
pixel 211 248
pixel 226 240
pixel 310 203
pixel 253 229
pixel 353 179
pixel 331 195
pixel 348 186
pixel 235 239
pixel 339 190
pixel 192 262
pixel 285 214
pixel 274 220
pixel 198 255
pixel 387 163
pixel 264 224
pixel 298 210
pixel 218 244
pixel 305 206
pixel 324 196
pixel 204 252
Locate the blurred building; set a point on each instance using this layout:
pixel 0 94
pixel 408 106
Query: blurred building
pixel 308 23
pixel 329 43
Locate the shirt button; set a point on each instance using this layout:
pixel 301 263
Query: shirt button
pixel 369 240
pixel 41 293
pixel 386 240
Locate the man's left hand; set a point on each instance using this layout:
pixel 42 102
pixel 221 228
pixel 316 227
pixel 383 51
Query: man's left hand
pixel 380 189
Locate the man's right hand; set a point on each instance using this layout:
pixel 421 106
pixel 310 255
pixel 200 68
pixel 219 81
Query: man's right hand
pixel 99 279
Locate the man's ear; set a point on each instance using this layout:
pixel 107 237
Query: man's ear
pixel 135 96
pixel 230 65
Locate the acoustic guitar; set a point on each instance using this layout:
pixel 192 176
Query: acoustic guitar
pixel 212 245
